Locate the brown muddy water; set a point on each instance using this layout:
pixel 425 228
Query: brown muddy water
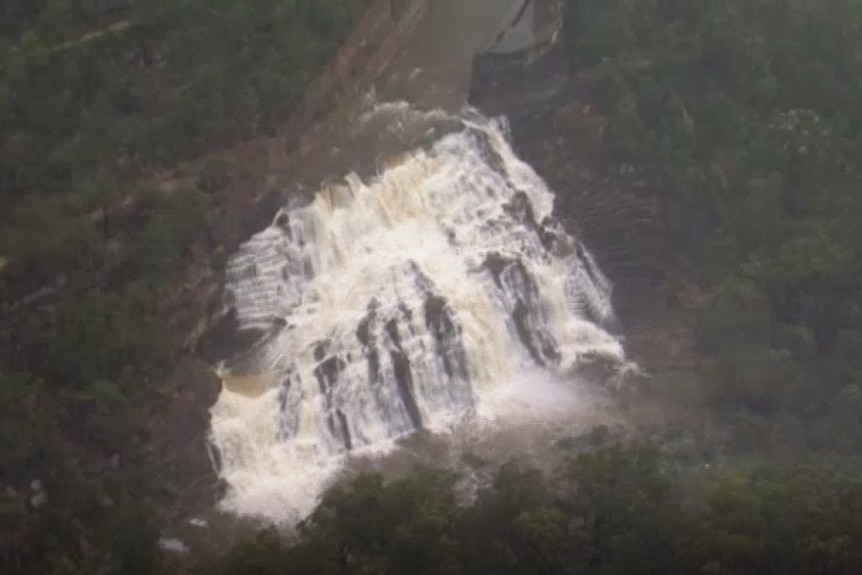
pixel 432 72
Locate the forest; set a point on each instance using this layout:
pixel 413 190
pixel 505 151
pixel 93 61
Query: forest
pixel 99 101
pixel 614 510
pixel 744 119
pixel 742 116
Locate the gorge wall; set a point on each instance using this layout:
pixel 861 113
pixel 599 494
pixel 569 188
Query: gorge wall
pixel 359 63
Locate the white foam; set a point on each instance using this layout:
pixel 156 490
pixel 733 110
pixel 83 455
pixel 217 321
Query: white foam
pixel 422 229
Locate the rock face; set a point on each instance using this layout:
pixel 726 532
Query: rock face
pixel 224 338
pixel 387 346
pixel 394 305
pixel 359 63
pixel 178 437
pixel 556 130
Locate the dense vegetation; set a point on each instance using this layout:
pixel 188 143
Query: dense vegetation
pixel 98 100
pixel 613 511
pixel 744 117
pixel 144 84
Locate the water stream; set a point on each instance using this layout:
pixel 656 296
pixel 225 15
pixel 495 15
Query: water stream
pixel 408 300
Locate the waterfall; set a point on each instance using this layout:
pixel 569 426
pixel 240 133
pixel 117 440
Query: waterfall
pixel 394 305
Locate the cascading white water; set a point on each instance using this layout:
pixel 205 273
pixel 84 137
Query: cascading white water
pixel 396 305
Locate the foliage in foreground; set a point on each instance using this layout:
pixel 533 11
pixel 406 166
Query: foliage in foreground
pixel 615 511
